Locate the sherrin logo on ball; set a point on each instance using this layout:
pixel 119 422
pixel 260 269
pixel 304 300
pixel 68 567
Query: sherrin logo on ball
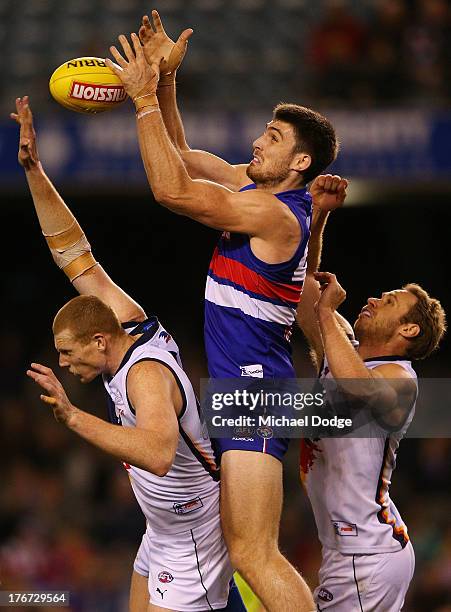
pixel 86 85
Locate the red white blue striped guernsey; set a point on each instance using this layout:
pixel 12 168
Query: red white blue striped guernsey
pixel 250 305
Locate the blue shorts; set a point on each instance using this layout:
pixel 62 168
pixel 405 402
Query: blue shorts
pixel 255 442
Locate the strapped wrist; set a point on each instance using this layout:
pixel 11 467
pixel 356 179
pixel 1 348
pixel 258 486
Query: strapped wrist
pixel 145 97
pixel 166 80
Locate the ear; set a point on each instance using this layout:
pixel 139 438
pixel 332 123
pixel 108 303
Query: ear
pixel 300 162
pixel 100 341
pixel 409 330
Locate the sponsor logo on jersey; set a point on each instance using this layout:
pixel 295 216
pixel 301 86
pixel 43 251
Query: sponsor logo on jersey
pixel 344 529
pixel 254 371
pixel 225 235
pixel 97 93
pixel 189 506
pixel 243 439
pixel 165 577
pixel 325 595
pixel 161 592
pixel 265 432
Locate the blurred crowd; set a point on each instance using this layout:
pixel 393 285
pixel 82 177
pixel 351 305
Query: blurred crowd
pixel 69 521
pixel 335 53
pixel 398 52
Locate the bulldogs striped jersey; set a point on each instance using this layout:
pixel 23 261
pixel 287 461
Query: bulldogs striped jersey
pixel 250 305
pixel 189 493
pixel 348 479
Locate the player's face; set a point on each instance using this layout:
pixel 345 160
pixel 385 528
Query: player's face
pixel 273 154
pixel 380 318
pixel 83 360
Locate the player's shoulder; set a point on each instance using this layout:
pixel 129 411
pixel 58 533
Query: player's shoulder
pixel 152 371
pixel 394 370
pixel 261 200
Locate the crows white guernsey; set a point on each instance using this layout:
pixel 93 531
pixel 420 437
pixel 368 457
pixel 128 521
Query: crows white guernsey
pixel 190 490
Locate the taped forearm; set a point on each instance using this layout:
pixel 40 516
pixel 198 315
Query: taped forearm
pixel 71 251
pixel 67 243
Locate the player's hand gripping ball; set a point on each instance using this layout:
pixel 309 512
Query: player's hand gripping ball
pixel 87 85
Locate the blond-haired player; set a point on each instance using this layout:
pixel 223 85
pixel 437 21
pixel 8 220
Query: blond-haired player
pixel 367 556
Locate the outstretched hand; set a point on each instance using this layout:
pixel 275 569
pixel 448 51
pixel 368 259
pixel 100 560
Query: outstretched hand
pixel 55 395
pixel 28 153
pixel 328 191
pixel 136 75
pixel 332 293
pixel 156 44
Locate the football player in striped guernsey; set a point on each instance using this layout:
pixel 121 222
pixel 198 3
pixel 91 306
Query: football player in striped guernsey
pixel 254 283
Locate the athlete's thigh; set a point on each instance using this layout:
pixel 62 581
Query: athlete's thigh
pixel 388 586
pixel 373 583
pixel 139 593
pixel 251 496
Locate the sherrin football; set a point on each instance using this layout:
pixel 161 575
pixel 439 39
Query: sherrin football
pixel 87 85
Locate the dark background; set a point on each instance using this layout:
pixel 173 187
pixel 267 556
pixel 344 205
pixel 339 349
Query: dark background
pixel 68 519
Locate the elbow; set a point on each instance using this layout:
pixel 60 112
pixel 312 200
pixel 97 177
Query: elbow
pixel 160 466
pixel 172 198
pixel 162 469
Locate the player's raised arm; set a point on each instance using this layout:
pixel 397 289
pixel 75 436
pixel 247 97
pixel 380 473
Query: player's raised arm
pixel 332 189
pixel 156 398
pixel 199 164
pixel 257 214
pixel 65 238
pixel 388 389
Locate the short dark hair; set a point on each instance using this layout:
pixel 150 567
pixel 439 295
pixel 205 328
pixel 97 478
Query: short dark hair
pixel 428 314
pixel 314 134
pixel 86 315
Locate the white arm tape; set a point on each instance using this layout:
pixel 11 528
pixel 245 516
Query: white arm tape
pixel 63 257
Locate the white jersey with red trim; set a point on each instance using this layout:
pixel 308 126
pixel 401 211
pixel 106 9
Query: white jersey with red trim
pixel 347 480
pixel 190 490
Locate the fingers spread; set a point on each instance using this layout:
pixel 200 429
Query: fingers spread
pixel 118 57
pixel 41 368
pixel 137 46
pixel 183 38
pixel 126 47
pixel 157 21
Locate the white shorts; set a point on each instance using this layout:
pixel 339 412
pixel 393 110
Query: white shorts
pixel 188 570
pixel 364 583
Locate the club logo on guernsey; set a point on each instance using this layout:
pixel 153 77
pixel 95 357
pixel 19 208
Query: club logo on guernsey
pixel 165 577
pixel 97 93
